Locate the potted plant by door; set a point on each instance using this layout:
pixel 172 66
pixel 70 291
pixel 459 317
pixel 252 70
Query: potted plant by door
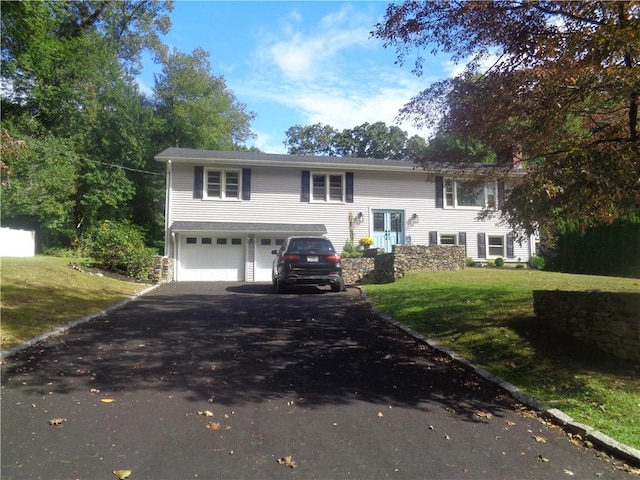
pixel 366 242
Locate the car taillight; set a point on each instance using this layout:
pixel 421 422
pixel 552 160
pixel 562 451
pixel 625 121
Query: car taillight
pixel 290 257
pixel 335 258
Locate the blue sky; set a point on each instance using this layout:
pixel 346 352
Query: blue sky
pixel 300 62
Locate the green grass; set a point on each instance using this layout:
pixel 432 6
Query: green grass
pixel 40 293
pixel 486 315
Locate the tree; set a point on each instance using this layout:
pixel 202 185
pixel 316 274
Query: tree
pixel 317 139
pixel 365 141
pixel 37 185
pixel 68 95
pixel 374 140
pixel 198 109
pixel 562 88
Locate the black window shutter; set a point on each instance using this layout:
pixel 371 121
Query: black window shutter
pixel 462 241
pixel 433 238
pixel 304 192
pixel 349 187
pixel 482 246
pixel 439 192
pixel 510 253
pixel 198 180
pixel 246 184
pixel 500 194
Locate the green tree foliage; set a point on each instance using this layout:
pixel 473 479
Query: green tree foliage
pixel 369 140
pixel 198 109
pixel 87 135
pixel 317 139
pixel 38 182
pixel 119 247
pixel 562 87
pixel 68 94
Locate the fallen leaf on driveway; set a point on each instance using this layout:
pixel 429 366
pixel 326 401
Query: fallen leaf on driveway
pixel 287 461
pixel 213 426
pixel 542 459
pixel 122 474
pixel 568 472
pixel 57 421
pixel 206 413
pixel 107 400
pixel 380 415
pixel 540 439
pixel 484 415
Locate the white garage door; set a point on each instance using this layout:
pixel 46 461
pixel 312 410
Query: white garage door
pixel 210 258
pixel 264 257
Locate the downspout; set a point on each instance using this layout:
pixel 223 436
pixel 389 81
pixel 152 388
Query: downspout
pixel 168 246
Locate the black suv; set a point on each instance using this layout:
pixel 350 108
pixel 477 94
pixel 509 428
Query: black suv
pixel 307 261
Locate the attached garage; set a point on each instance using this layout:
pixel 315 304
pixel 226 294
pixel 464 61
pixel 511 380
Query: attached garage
pixel 232 252
pixel 210 258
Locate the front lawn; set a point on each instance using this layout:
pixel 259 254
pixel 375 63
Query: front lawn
pixel 41 293
pixel 486 315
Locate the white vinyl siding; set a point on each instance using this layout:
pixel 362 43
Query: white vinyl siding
pixel 275 198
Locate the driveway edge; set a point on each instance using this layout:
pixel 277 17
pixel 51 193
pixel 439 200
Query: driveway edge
pixel 12 351
pixel 595 437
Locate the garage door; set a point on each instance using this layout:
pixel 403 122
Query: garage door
pixel 210 258
pixel 264 257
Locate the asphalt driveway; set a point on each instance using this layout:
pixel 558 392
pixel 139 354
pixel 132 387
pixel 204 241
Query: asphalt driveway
pixel 229 381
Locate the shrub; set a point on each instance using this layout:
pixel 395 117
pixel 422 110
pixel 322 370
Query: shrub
pixel 499 262
pixel 470 262
pixel 349 251
pixel 536 262
pixel 119 247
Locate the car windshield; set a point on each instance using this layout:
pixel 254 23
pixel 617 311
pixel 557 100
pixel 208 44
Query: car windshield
pixel 315 245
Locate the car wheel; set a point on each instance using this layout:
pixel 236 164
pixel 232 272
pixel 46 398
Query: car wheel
pixel 336 287
pixel 280 288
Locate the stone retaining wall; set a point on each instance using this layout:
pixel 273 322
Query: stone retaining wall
pixel 380 267
pixel 609 321
pixel 162 270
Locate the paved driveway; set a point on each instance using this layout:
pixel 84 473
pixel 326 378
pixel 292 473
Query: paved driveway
pixel 219 380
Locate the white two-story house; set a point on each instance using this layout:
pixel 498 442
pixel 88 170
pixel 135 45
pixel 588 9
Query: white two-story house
pixel 227 211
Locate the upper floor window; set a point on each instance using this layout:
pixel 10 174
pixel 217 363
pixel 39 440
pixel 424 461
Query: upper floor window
pixel 327 187
pixel 470 194
pixel 222 184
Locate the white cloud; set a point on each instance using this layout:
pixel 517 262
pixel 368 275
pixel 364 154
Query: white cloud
pixel 328 72
pixel 301 55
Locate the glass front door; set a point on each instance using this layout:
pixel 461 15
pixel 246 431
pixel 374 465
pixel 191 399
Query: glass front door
pixel 388 228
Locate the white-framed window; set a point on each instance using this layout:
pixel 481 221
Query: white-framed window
pixel 222 184
pixel 448 239
pixel 496 246
pixel 461 194
pixel 327 187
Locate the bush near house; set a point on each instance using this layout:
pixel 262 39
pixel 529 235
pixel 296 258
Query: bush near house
pixel 119 247
pixel 605 250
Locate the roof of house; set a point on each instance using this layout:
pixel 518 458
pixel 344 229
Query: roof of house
pixel 255 227
pixel 187 155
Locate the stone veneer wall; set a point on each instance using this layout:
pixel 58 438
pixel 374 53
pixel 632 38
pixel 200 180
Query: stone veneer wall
pixel 162 270
pixel 609 321
pixel 380 267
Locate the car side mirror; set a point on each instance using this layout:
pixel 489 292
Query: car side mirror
pixel 274 252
